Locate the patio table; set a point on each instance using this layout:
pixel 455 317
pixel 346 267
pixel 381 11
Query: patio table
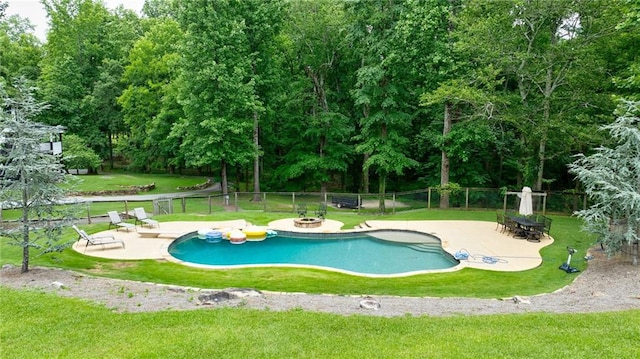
pixel 528 228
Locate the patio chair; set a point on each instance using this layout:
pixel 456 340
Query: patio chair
pixel 302 210
pixel 96 240
pixel 321 212
pixel 547 226
pixel 141 216
pixel 117 221
pixel 500 222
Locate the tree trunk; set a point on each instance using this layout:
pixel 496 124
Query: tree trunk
pixel 381 191
pixel 444 166
pixel 365 171
pixel 256 160
pixel 224 183
pixel 25 223
pixel 546 110
pixel 365 175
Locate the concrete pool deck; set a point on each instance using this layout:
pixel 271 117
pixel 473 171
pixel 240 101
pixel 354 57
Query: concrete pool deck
pixel 488 248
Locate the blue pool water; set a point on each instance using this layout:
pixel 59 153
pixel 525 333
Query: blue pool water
pixel 381 253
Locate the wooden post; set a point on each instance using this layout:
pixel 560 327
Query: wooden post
pixel 466 200
pixel 393 209
pixel 504 205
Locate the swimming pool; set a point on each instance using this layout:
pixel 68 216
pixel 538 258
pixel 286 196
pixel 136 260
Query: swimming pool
pixel 376 253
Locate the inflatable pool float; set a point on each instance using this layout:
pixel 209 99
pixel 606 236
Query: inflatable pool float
pixel 271 233
pixel 202 233
pixel 226 232
pixel 255 233
pixel 213 237
pixel 237 237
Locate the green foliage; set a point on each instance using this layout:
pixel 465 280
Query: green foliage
pixel 78 155
pixel 21 50
pixel 611 178
pixel 308 93
pixel 151 73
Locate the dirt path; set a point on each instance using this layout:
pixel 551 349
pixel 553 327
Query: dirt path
pixel 607 285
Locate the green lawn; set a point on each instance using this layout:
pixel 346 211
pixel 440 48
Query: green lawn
pixel 115 181
pixel 40 325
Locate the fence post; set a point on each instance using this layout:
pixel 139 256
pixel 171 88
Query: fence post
pixel 293 201
pixel 544 204
pixel 126 208
pixel 466 200
pixel 429 198
pixel 235 196
pixel 393 209
pixel 209 198
pixel 264 201
pixel 89 212
pixel 184 205
pixel 504 203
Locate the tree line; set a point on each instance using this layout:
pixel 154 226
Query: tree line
pixel 357 96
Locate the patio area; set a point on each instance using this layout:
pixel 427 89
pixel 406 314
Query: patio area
pixel 486 247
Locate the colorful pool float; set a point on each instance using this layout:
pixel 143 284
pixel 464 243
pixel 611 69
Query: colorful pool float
pixel 237 237
pixel 213 237
pixel 255 233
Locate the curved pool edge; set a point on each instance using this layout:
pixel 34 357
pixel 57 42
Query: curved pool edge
pixel 170 258
pixel 320 235
pixel 477 237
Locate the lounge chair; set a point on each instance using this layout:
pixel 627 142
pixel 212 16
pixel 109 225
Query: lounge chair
pixel 96 240
pixel 117 221
pixel 141 216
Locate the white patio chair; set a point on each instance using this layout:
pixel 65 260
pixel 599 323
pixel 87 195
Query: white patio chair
pixel 96 240
pixel 141 216
pixel 118 223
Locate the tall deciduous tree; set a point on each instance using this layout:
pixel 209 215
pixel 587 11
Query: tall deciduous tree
pixel 149 102
pixel 85 57
pixel 21 50
pixel 379 91
pixel 315 33
pixel 220 96
pixel 30 178
pixel 540 47
pixel 611 178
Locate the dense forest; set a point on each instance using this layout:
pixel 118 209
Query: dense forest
pixel 358 96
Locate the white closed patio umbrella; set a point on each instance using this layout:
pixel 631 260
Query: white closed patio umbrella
pixel 526 203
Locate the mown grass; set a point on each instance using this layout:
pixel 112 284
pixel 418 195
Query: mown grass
pixel 115 181
pixel 41 325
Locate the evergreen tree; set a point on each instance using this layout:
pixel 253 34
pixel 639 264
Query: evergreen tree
pixel 29 177
pixel 611 177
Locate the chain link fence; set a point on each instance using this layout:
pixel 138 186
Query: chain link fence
pixel 561 202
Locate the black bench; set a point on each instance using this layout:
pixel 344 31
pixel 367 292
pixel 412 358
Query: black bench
pixel 346 202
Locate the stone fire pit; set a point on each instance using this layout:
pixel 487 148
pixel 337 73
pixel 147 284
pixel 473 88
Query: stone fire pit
pixel 307 222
